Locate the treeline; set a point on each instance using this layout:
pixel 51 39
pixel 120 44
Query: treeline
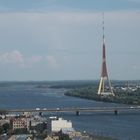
pixel 73 84
pixel 90 93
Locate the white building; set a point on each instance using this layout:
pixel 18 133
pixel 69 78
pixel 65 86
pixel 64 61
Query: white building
pixel 57 124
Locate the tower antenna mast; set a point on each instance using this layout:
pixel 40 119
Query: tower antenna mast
pixel 104 80
pixel 103 29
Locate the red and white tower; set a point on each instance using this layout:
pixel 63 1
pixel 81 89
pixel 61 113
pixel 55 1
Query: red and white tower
pixel 105 84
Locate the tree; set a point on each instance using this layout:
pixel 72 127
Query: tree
pixel 6 127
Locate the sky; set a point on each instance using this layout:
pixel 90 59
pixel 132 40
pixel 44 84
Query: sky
pixel 62 39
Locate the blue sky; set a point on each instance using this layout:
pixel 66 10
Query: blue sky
pixel 62 39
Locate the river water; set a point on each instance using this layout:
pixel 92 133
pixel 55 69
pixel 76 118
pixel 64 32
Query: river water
pixel 125 126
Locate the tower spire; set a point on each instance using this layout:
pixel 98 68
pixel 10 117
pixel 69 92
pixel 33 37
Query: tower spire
pixel 105 84
pixel 103 29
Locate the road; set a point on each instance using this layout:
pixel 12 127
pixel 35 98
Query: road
pixel 93 109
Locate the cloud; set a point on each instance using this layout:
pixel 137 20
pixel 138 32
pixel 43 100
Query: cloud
pixel 14 57
pixel 52 61
pixel 36 59
pixel 49 60
pixel 18 59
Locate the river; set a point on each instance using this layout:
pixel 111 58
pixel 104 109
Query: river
pixel 125 126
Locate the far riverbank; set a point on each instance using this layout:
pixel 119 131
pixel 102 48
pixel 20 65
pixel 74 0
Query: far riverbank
pixel 90 93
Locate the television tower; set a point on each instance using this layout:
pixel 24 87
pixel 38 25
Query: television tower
pixel 105 84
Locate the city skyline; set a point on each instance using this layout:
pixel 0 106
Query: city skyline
pixel 51 40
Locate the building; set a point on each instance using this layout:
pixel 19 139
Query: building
pixel 27 114
pixel 57 124
pixel 20 137
pixel 32 122
pixel 19 123
pixel 52 138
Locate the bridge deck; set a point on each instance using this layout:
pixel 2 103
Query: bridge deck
pixel 93 109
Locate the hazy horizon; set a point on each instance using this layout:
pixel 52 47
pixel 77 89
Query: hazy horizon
pixel 82 80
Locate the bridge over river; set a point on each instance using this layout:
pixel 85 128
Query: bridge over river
pixel 77 110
